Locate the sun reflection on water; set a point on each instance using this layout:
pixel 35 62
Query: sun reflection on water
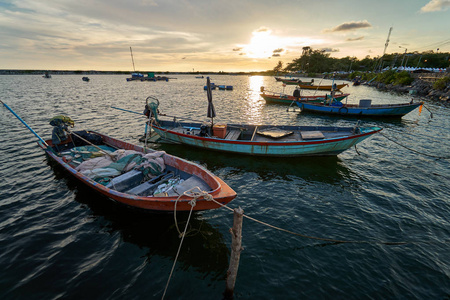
pixel 254 104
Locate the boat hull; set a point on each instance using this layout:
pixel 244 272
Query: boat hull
pixel 389 110
pixel 220 191
pixel 326 147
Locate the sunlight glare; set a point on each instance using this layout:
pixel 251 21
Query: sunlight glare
pixel 262 45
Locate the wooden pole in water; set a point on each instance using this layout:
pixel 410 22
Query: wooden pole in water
pixel 236 248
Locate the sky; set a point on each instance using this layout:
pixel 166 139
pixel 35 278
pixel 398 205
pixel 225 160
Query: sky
pixel 201 35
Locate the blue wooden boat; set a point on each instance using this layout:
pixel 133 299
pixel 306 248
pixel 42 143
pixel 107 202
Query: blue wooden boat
pixel 364 109
pixel 261 140
pixel 264 140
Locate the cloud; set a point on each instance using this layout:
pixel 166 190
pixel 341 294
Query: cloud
pixel 436 5
pixel 237 49
pixel 276 55
pixel 329 50
pixel 279 50
pixel 263 29
pixel 355 39
pixel 348 26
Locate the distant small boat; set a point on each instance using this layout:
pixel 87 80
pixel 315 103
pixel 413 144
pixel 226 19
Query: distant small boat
pixel 85 78
pixel 199 76
pixel 221 87
pixel 364 109
pixel 47 75
pixel 150 77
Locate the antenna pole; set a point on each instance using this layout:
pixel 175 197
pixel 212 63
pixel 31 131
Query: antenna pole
pixel 132 59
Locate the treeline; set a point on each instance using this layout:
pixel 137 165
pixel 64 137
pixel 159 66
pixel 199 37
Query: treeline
pixel 317 61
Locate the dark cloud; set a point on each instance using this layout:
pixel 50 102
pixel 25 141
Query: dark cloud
pixel 237 49
pixel 276 55
pixel 329 50
pixel 279 50
pixel 355 39
pixel 348 26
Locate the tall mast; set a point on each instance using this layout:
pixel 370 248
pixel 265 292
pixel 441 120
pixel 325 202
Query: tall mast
pixel 387 41
pixel 132 59
pixel 385 47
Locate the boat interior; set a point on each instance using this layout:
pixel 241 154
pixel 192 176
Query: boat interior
pixel 262 133
pixel 170 182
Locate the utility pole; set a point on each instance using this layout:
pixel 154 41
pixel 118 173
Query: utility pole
pixel 403 56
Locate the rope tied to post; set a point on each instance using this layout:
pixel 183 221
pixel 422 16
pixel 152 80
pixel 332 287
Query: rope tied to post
pixel 336 241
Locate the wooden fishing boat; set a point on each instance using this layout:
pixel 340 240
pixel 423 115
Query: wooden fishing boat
pixel 287 99
pixel 264 140
pixel 364 108
pixel 321 87
pixel 132 175
pixel 261 140
pixel 294 81
pixel 173 183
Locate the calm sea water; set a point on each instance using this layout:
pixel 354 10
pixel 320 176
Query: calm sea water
pixel 59 240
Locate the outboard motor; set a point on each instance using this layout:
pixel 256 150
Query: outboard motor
pixel 203 130
pixel 59 133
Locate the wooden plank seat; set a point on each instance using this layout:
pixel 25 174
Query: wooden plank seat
pixel 312 135
pixel 233 134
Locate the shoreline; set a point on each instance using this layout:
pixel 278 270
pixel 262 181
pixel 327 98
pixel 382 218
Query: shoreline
pixel 418 87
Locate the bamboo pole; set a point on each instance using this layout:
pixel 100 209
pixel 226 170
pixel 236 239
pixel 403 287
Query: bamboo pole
pixel 236 248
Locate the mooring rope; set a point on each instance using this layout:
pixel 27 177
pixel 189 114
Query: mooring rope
pixel 324 239
pixel 192 203
pixel 410 149
pixel 195 196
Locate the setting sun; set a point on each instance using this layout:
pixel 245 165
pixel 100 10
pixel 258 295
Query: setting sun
pixel 262 44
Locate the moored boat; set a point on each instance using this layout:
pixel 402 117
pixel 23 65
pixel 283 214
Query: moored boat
pixel 322 87
pixel 364 109
pixel 135 176
pixel 295 81
pixel 264 140
pixel 280 98
pixel 259 140
pixel 157 182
